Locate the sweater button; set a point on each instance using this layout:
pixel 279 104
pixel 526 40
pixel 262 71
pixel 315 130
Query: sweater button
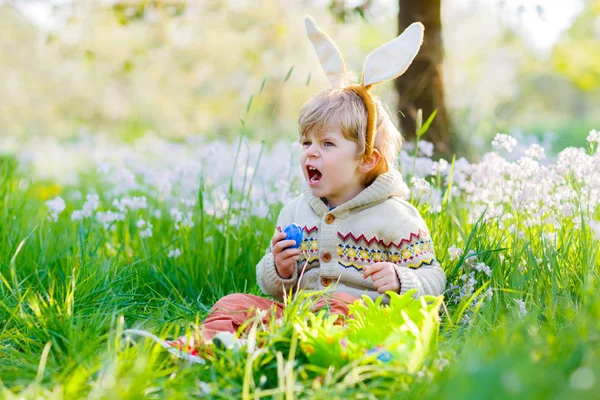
pixel 325 282
pixel 326 257
pixel 329 218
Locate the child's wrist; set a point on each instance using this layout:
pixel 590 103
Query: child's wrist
pixel 282 274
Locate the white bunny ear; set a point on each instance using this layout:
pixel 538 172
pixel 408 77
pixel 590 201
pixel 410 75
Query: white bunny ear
pixel 328 54
pixel 393 58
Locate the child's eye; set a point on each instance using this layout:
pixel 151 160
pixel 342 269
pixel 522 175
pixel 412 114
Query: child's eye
pixel 305 143
pixel 328 144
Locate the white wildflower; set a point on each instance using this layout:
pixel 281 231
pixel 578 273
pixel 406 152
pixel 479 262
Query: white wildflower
pixel 55 206
pixel 146 233
pixel 550 236
pixel 189 202
pixel 594 137
pixel 425 148
pixel 107 218
pixel 145 228
pixel 439 167
pixel 134 203
pixel 536 152
pixel 205 387
pixel 470 258
pixel 441 363
pixel 77 215
pixel 466 319
pixel 522 308
pixel 522 266
pixel 504 141
pixel 481 267
pixel 454 252
pixel 420 185
pixel 103 168
pixel 174 253
pixel 182 219
pixel 92 202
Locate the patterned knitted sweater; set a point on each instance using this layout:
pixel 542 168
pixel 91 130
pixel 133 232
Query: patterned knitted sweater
pixel 376 225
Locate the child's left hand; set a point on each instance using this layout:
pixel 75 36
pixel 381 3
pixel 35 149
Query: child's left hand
pixel 384 276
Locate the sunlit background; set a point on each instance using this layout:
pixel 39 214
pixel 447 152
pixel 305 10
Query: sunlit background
pixel 220 68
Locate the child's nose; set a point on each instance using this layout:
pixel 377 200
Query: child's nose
pixel 313 151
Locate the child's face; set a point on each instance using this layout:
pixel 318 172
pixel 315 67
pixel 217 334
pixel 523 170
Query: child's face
pixel 330 165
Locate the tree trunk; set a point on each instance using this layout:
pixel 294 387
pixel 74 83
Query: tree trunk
pixel 421 86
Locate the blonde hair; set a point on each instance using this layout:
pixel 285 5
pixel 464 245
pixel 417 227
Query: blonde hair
pixel 345 108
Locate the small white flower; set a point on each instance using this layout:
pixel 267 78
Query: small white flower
pixel 454 252
pixel 420 185
pixel 425 148
pixel 536 152
pixel 481 267
pixel 77 215
pixel 439 167
pixel 189 202
pixel 205 387
pixel 108 217
pixel 504 141
pixel 55 206
pixel 470 258
pixel 92 201
pixel 466 319
pixel 103 168
pixel 441 363
pixel 550 236
pixel 146 232
pixel 522 266
pixel 522 308
pixel 174 253
pixel 594 137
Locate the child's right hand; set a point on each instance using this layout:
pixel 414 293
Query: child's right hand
pixel 285 259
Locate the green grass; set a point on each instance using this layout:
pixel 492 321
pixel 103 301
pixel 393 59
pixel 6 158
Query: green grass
pixel 69 289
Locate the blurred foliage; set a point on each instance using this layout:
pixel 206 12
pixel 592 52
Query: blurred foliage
pixel 224 68
pixel 518 85
pixel 576 56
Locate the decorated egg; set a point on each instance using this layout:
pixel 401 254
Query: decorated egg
pixel 294 232
pixel 382 354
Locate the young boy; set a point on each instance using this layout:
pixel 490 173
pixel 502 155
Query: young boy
pixel 360 235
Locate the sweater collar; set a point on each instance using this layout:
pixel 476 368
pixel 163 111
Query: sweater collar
pixel 385 186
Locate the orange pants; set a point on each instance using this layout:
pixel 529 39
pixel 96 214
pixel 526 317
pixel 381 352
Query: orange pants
pixel 231 311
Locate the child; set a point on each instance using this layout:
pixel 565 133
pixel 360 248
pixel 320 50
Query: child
pixel 360 235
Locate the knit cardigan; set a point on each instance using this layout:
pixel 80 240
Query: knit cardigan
pixel 376 225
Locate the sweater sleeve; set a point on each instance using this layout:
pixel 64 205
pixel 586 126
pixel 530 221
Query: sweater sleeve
pixel 415 261
pixel 267 277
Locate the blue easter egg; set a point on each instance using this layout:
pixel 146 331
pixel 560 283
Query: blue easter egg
pixel 382 355
pixel 294 232
pixel 385 356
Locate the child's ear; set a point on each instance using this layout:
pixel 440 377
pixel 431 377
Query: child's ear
pixel 369 162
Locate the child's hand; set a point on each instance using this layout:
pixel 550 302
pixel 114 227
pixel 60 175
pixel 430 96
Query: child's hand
pixel 384 276
pixel 285 259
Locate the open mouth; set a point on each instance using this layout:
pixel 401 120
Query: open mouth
pixel 314 175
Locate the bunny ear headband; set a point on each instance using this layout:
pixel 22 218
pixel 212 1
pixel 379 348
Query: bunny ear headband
pixel 384 63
